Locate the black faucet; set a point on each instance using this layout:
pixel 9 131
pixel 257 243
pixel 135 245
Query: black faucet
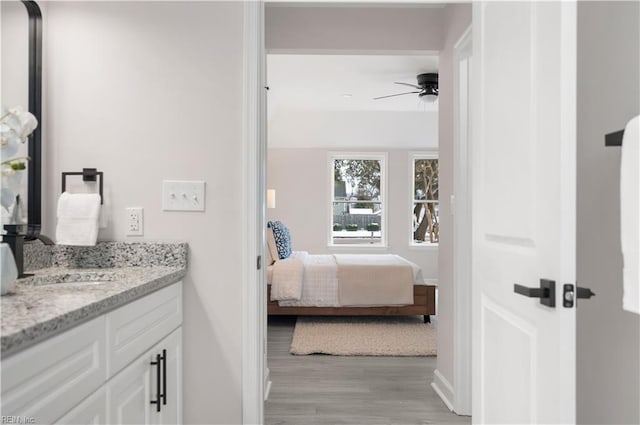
pixel 15 236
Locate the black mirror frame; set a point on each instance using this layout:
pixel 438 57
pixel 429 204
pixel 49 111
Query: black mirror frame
pixel 34 213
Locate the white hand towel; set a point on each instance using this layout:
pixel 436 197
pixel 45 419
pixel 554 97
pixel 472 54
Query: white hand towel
pixel 78 219
pixel 630 215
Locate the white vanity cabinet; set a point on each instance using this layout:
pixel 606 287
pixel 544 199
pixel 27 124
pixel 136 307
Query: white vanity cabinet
pixel 101 372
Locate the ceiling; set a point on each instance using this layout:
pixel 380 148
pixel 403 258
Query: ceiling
pixel 326 101
pixel 346 82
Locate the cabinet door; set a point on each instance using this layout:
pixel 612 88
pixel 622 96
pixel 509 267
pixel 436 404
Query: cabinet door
pixel 92 411
pixel 131 391
pixel 171 412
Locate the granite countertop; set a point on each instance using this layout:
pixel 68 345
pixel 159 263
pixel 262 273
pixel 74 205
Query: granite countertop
pixel 53 301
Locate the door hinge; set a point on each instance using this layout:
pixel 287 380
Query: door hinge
pixel 259 263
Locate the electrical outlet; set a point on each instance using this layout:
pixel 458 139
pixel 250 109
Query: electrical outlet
pixel 134 221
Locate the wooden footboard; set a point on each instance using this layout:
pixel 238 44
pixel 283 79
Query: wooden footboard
pixel 424 304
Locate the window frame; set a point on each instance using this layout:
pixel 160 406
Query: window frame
pixel 413 156
pixel 359 155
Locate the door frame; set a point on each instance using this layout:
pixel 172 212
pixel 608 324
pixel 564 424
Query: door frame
pixel 462 219
pixel 255 372
pixel 254 378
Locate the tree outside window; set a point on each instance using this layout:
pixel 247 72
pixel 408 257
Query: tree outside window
pixel 425 200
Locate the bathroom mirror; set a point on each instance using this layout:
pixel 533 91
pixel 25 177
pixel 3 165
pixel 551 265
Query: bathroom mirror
pixel 21 85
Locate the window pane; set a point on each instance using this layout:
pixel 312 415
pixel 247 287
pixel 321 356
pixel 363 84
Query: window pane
pixel 426 179
pixel 357 202
pixel 356 179
pixel 357 222
pixel 425 222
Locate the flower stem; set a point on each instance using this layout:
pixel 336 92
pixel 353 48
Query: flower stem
pixel 19 158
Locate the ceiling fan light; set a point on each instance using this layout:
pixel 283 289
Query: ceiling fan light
pixel 429 96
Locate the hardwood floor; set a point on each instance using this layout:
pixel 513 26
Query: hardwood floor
pixel 332 390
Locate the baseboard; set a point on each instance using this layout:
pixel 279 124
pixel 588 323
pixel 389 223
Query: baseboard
pixel 267 384
pixel 443 388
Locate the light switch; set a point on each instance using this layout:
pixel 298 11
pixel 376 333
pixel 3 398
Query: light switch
pixel 183 195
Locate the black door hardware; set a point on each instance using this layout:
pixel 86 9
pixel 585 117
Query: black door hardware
pixel 614 139
pixel 546 292
pixel 157 364
pixel 568 295
pixel 164 377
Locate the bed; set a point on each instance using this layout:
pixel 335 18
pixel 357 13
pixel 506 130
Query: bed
pixel 300 283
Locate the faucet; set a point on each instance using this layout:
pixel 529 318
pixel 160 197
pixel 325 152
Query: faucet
pixel 14 236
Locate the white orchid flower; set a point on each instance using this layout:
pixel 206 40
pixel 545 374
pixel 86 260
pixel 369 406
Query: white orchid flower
pixel 9 141
pixel 17 125
pixel 28 123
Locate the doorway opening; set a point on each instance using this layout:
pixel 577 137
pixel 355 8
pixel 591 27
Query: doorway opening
pixel 329 143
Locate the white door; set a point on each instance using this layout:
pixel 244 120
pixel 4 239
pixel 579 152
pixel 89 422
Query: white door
pixel 523 174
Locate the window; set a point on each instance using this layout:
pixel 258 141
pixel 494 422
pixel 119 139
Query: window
pixel 357 196
pixel 425 208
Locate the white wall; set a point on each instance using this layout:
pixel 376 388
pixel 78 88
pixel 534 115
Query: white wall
pixel 457 19
pixel 355 28
pixel 301 179
pixel 293 128
pixel 608 338
pixel 146 91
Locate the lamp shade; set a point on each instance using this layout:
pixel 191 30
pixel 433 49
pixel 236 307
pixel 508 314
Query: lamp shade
pixel 271 198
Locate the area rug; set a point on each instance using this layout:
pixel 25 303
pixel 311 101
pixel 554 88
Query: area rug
pixel 364 336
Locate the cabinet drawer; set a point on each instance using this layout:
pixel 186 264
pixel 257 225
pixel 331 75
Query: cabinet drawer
pixel 136 327
pixel 47 380
pixel 92 411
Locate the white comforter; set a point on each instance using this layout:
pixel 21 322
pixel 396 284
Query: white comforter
pixel 305 280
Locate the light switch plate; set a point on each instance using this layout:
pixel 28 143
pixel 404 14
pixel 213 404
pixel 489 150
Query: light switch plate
pixel 180 195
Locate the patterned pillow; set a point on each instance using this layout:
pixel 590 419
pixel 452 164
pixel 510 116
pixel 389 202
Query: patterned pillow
pixel 282 237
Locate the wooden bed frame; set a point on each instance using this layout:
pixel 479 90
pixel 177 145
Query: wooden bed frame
pixel 424 304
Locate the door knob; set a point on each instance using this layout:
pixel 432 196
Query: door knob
pixel 546 292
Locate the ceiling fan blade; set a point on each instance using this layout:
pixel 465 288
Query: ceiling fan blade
pixel 399 94
pixel 407 84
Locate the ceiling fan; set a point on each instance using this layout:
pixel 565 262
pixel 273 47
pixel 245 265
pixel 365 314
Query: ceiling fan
pixel 426 89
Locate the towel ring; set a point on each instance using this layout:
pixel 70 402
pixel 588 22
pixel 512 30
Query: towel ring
pixel 88 175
